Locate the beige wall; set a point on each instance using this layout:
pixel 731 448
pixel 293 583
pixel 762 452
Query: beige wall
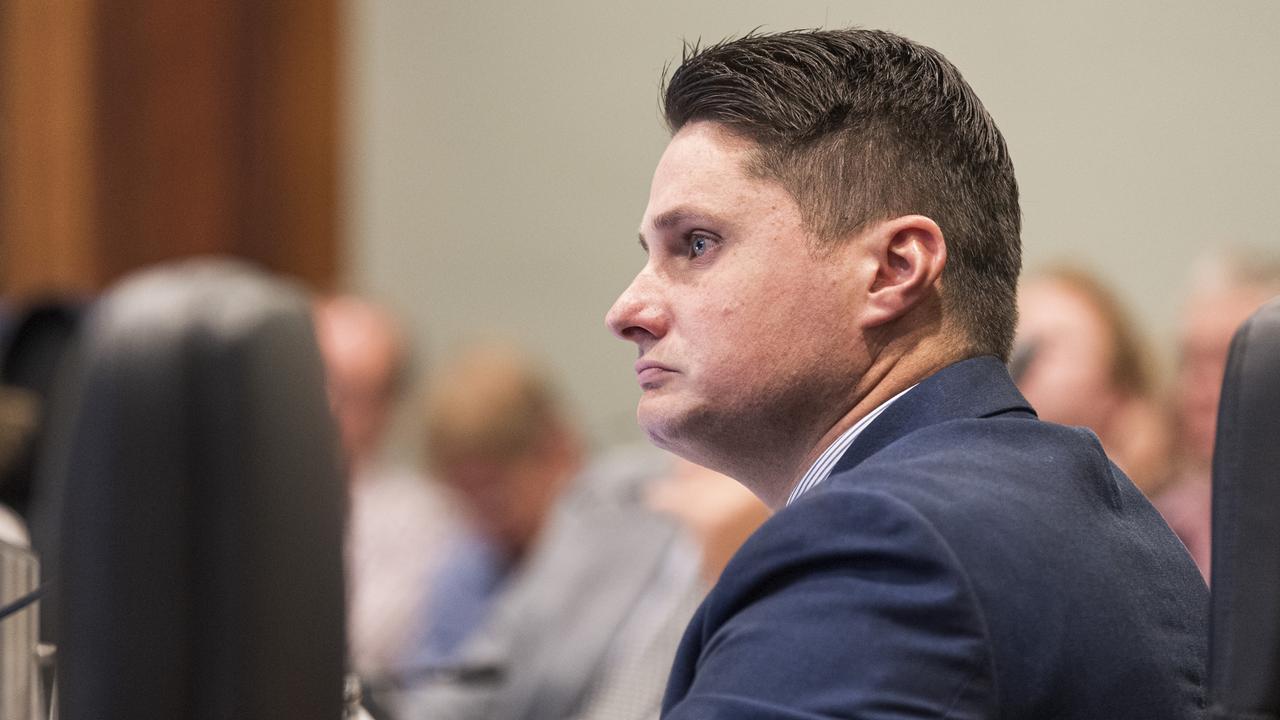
pixel 500 152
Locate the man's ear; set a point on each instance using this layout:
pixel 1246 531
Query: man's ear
pixel 908 254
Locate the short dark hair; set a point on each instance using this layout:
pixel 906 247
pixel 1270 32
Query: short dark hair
pixel 863 125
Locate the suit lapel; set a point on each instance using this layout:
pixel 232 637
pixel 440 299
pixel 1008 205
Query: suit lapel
pixel 974 388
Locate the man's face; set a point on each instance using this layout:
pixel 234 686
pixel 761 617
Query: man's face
pixel 747 338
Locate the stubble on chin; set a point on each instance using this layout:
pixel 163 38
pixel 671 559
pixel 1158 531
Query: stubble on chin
pixel 677 426
pixel 698 431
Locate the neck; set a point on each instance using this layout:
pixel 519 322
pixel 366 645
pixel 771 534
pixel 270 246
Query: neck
pixel 891 372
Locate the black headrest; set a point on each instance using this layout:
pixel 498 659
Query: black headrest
pixel 201 569
pixel 1245 635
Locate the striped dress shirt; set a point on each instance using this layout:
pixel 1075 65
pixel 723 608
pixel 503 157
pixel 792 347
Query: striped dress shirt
pixel 821 467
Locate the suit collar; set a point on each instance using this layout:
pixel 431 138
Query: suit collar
pixel 975 388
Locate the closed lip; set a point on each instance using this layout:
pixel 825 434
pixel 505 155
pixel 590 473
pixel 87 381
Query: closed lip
pixel 642 365
pixel 650 373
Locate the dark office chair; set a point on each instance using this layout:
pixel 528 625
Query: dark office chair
pixel 201 570
pixel 1244 665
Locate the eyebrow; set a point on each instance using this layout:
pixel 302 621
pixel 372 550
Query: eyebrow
pixel 672 218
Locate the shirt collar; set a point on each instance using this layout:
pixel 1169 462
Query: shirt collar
pixel 822 467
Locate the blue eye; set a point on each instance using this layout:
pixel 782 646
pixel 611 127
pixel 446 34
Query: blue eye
pixel 698 247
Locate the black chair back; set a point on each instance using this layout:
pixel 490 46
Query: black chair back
pixel 201 565
pixel 1244 664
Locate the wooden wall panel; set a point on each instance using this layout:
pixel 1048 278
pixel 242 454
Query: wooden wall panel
pixel 147 130
pixel 168 127
pixel 295 125
pixel 46 188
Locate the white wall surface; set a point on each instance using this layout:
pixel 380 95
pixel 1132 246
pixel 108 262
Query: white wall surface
pixel 500 152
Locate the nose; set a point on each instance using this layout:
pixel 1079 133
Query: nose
pixel 637 314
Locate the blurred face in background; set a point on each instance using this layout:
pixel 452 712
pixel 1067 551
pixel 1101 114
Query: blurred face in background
pixel 498 441
pixel 1087 365
pixel 508 499
pixel 361 395
pixel 363 356
pixel 1209 322
pixel 1069 377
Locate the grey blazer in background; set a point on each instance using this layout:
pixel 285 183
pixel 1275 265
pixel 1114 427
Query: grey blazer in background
pixel 588 626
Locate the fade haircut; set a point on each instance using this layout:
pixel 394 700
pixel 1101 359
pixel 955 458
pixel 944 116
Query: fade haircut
pixel 861 126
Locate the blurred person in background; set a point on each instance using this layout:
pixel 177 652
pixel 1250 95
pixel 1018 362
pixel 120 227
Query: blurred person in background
pixel 498 443
pixel 1080 360
pixel 396 519
pixel 1225 290
pixel 564 593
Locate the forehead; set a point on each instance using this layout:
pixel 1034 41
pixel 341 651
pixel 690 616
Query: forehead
pixel 700 145
pixel 704 170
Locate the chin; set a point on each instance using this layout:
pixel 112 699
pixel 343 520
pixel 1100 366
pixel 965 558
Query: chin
pixel 661 422
pixel 674 429
pixel 657 440
pixel 654 429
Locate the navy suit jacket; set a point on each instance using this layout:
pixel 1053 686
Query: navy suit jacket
pixel 964 560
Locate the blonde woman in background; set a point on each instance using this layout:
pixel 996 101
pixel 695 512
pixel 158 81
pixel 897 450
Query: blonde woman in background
pixel 1080 360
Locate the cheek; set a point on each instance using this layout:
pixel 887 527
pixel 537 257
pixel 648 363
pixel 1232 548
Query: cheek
pixel 733 341
pixel 741 331
pixel 713 332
